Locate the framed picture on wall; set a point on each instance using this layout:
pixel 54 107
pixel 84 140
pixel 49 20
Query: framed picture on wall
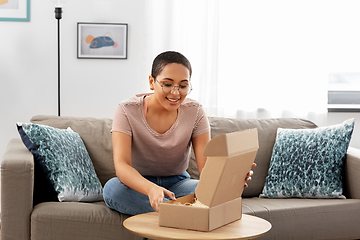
pixel 15 10
pixel 102 40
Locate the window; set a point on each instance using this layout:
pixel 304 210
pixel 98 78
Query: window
pixel 344 92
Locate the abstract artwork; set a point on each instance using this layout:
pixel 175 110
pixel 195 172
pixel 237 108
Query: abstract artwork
pixel 102 40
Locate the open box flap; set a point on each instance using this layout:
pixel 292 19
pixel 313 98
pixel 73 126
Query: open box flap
pixel 232 144
pixel 223 176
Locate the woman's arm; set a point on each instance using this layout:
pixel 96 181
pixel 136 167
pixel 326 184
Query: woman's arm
pixel 130 176
pixel 199 144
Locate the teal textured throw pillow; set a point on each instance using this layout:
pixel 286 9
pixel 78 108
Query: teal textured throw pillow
pixel 65 160
pixel 307 163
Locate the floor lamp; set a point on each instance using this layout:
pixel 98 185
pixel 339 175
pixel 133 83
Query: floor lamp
pixel 58 15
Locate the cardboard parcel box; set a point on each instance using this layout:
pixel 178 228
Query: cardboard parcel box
pixel 229 159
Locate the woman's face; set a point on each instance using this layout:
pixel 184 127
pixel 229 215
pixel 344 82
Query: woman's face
pixel 175 74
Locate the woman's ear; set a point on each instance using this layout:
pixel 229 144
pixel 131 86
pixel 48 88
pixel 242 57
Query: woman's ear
pixel 151 82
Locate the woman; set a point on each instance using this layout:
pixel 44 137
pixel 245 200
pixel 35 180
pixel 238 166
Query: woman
pixel 152 135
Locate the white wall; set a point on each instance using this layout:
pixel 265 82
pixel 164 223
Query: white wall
pixel 89 87
pixel 92 87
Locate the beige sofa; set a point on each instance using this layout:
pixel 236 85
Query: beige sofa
pixel 290 218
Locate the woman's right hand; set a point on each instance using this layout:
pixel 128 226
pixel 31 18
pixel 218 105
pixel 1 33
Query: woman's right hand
pixel 157 194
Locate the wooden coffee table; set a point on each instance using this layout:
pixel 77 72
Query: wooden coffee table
pixel 147 226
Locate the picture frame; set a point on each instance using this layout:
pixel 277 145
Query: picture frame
pixel 102 40
pixel 15 10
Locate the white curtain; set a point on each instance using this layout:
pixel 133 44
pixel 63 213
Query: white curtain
pixel 256 59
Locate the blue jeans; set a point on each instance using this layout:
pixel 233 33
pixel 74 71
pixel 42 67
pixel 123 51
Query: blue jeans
pixel 121 198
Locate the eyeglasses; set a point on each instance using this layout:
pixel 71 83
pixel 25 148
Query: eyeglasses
pixel 183 88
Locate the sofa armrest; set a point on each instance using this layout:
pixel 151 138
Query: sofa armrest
pixel 352 173
pixel 17 181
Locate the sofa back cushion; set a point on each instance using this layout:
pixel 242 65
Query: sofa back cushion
pixel 267 129
pixel 96 135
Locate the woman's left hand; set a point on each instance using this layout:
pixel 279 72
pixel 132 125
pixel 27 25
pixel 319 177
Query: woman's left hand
pixel 248 177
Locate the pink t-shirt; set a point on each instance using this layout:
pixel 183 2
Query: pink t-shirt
pixel 156 154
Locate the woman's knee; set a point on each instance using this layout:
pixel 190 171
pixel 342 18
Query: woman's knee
pixel 111 186
pixel 112 190
pixel 121 198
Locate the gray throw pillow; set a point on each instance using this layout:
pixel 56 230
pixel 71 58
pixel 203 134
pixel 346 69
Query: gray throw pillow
pixel 307 163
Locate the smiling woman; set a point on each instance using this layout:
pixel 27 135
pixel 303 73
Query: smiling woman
pixel 152 135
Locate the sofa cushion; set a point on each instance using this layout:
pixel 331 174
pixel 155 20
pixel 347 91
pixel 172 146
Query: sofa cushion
pixel 307 218
pixel 266 134
pixel 74 220
pixel 96 135
pixel 308 163
pixel 65 161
